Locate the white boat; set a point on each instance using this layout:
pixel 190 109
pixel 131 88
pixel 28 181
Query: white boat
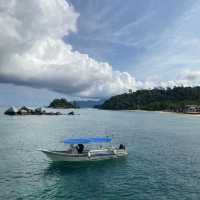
pixel 80 153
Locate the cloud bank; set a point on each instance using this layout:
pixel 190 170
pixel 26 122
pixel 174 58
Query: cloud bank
pixel 33 53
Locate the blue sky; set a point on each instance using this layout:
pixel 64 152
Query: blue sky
pixel 92 48
pixel 125 33
pixel 121 32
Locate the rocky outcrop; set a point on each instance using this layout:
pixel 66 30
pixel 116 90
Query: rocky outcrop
pixel 11 111
pixel 29 111
pixel 71 113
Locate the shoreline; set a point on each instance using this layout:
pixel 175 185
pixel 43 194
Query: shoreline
pixel 161 111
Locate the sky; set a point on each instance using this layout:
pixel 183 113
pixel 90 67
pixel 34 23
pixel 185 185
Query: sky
pixel 91 49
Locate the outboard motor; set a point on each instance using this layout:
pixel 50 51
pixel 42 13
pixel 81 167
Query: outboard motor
pixel 121 146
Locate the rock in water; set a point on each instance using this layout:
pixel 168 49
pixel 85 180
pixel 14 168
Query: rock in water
pixel 22 112
pixel 25 111
pixel 71 113
pixel 11 111
pixel 38 111
pixel 28 111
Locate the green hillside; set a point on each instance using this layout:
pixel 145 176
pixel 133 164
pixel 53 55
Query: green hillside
pixel 156 99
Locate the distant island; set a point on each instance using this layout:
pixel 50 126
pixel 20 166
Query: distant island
pixel 62 103
pixel 177 99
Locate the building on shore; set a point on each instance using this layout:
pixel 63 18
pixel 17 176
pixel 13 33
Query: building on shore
pixel 192 109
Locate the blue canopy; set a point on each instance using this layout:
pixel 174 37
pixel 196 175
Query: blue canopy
pixel 87 140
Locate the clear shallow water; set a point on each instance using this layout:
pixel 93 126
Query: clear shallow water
pixel 163 161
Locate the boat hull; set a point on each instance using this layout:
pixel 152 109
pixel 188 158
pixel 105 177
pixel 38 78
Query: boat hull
pixel 62 156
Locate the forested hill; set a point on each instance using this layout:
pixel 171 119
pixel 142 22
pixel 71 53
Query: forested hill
pixel 156 99
pixel 61 103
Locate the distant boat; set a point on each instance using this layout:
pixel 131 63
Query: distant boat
pixel 78 152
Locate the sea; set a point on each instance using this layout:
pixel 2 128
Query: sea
pixel 163 161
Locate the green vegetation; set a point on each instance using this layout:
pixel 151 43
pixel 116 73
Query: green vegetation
pixel 62 103
pixel 156 99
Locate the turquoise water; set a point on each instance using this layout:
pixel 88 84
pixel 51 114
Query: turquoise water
pixel 163 161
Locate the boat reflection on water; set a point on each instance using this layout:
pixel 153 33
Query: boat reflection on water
pixel 89 179
pixel 71 168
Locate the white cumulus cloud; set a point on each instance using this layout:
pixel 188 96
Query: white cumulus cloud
pixel 33 53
